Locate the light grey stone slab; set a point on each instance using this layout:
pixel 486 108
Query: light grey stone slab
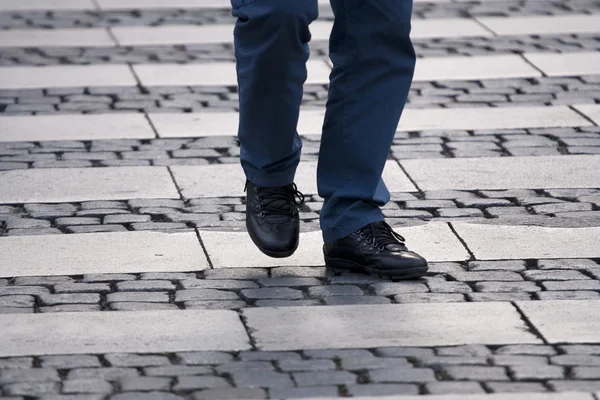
pixel 502 242
pixel 592 111
pixel 159 4
pixel 473 68
pixel 368 326
pixel 320 30
pixel 565 321
pixel 492 396
pixel 172 34
pixel 431 68
pixel 65 76
pixel 54 5
pixel 86 37
pixel 216 73
pixel 435 241
pixel 537 25
pixel 170 125
pixel 121 332
pixel 226 180
pixel 543 172
pixel 92 253
pixel 566 64
pixel 182 4
pixel 447 28
pixel 57 185
pixel 222 123
pixel 74 127
pixel 311 121
pixel 490 118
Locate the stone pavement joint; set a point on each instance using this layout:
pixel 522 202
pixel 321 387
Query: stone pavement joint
pixel 117 115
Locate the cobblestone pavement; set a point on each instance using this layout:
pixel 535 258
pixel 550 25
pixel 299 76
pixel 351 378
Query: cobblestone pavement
pixel 119 193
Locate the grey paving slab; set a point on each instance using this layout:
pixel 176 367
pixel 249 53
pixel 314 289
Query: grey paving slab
pixel 490 118
pixel 435 241
pixel 592 111
pixel 473 68
pixel 543 172
pixel 55 5
pixel 311 121
pixel 91 253
pixel 566 64
pixel 565 321
pixel 216 73
pixel 58 185
pixel 538 25
pixel 121 332
pixel 181 4
pixel 221 123
pixel 87 37
pixel 65 76
pixel 74 127
pixel 170 125
pixel 447 28
pixel 431 68
pixel 505 242
pixel 223 180
pixel 320 30
pixel 491 396
pixel 363 326
pixel 172 34
pixel 158 4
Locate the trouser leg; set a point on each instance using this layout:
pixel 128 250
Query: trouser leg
pixel 374 61
pixel 271 47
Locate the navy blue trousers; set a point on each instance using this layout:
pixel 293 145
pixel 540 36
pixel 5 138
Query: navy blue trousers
pixel 373 64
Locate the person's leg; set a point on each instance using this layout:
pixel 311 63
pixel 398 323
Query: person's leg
pixel 373 65
pixel 374 61
pixel 271 48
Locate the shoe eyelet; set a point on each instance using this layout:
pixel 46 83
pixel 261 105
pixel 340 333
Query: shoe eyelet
pixel 257 206
pixel 262 214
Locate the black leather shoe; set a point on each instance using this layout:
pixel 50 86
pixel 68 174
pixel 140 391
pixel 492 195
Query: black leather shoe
pixel 272 218
pixel 375 249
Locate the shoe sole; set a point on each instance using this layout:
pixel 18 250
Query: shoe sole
pixel 341 265
pixel 273 254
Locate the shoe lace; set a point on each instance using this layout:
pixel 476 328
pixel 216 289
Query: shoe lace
pixel 379 235
pixel 278 200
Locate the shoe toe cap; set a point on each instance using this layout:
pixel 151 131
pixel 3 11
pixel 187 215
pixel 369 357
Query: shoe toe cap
pixel 404 260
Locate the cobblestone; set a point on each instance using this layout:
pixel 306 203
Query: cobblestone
pixel 272 293
pixel 549 275
pixel 460 387
pixel 479 373
pixel 516 387
pixel 528 372
pixel 144 383
pixel 512 287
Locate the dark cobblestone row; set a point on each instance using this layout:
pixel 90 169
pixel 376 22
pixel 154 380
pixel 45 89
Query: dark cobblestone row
pixel 13 56
pixel 68 19
pixel 564 207
pixel 319 48
pixel 237 288
pixel 571 208
pixel 225 150
pixel 474 369
pixel 434 94
pixel 92 19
